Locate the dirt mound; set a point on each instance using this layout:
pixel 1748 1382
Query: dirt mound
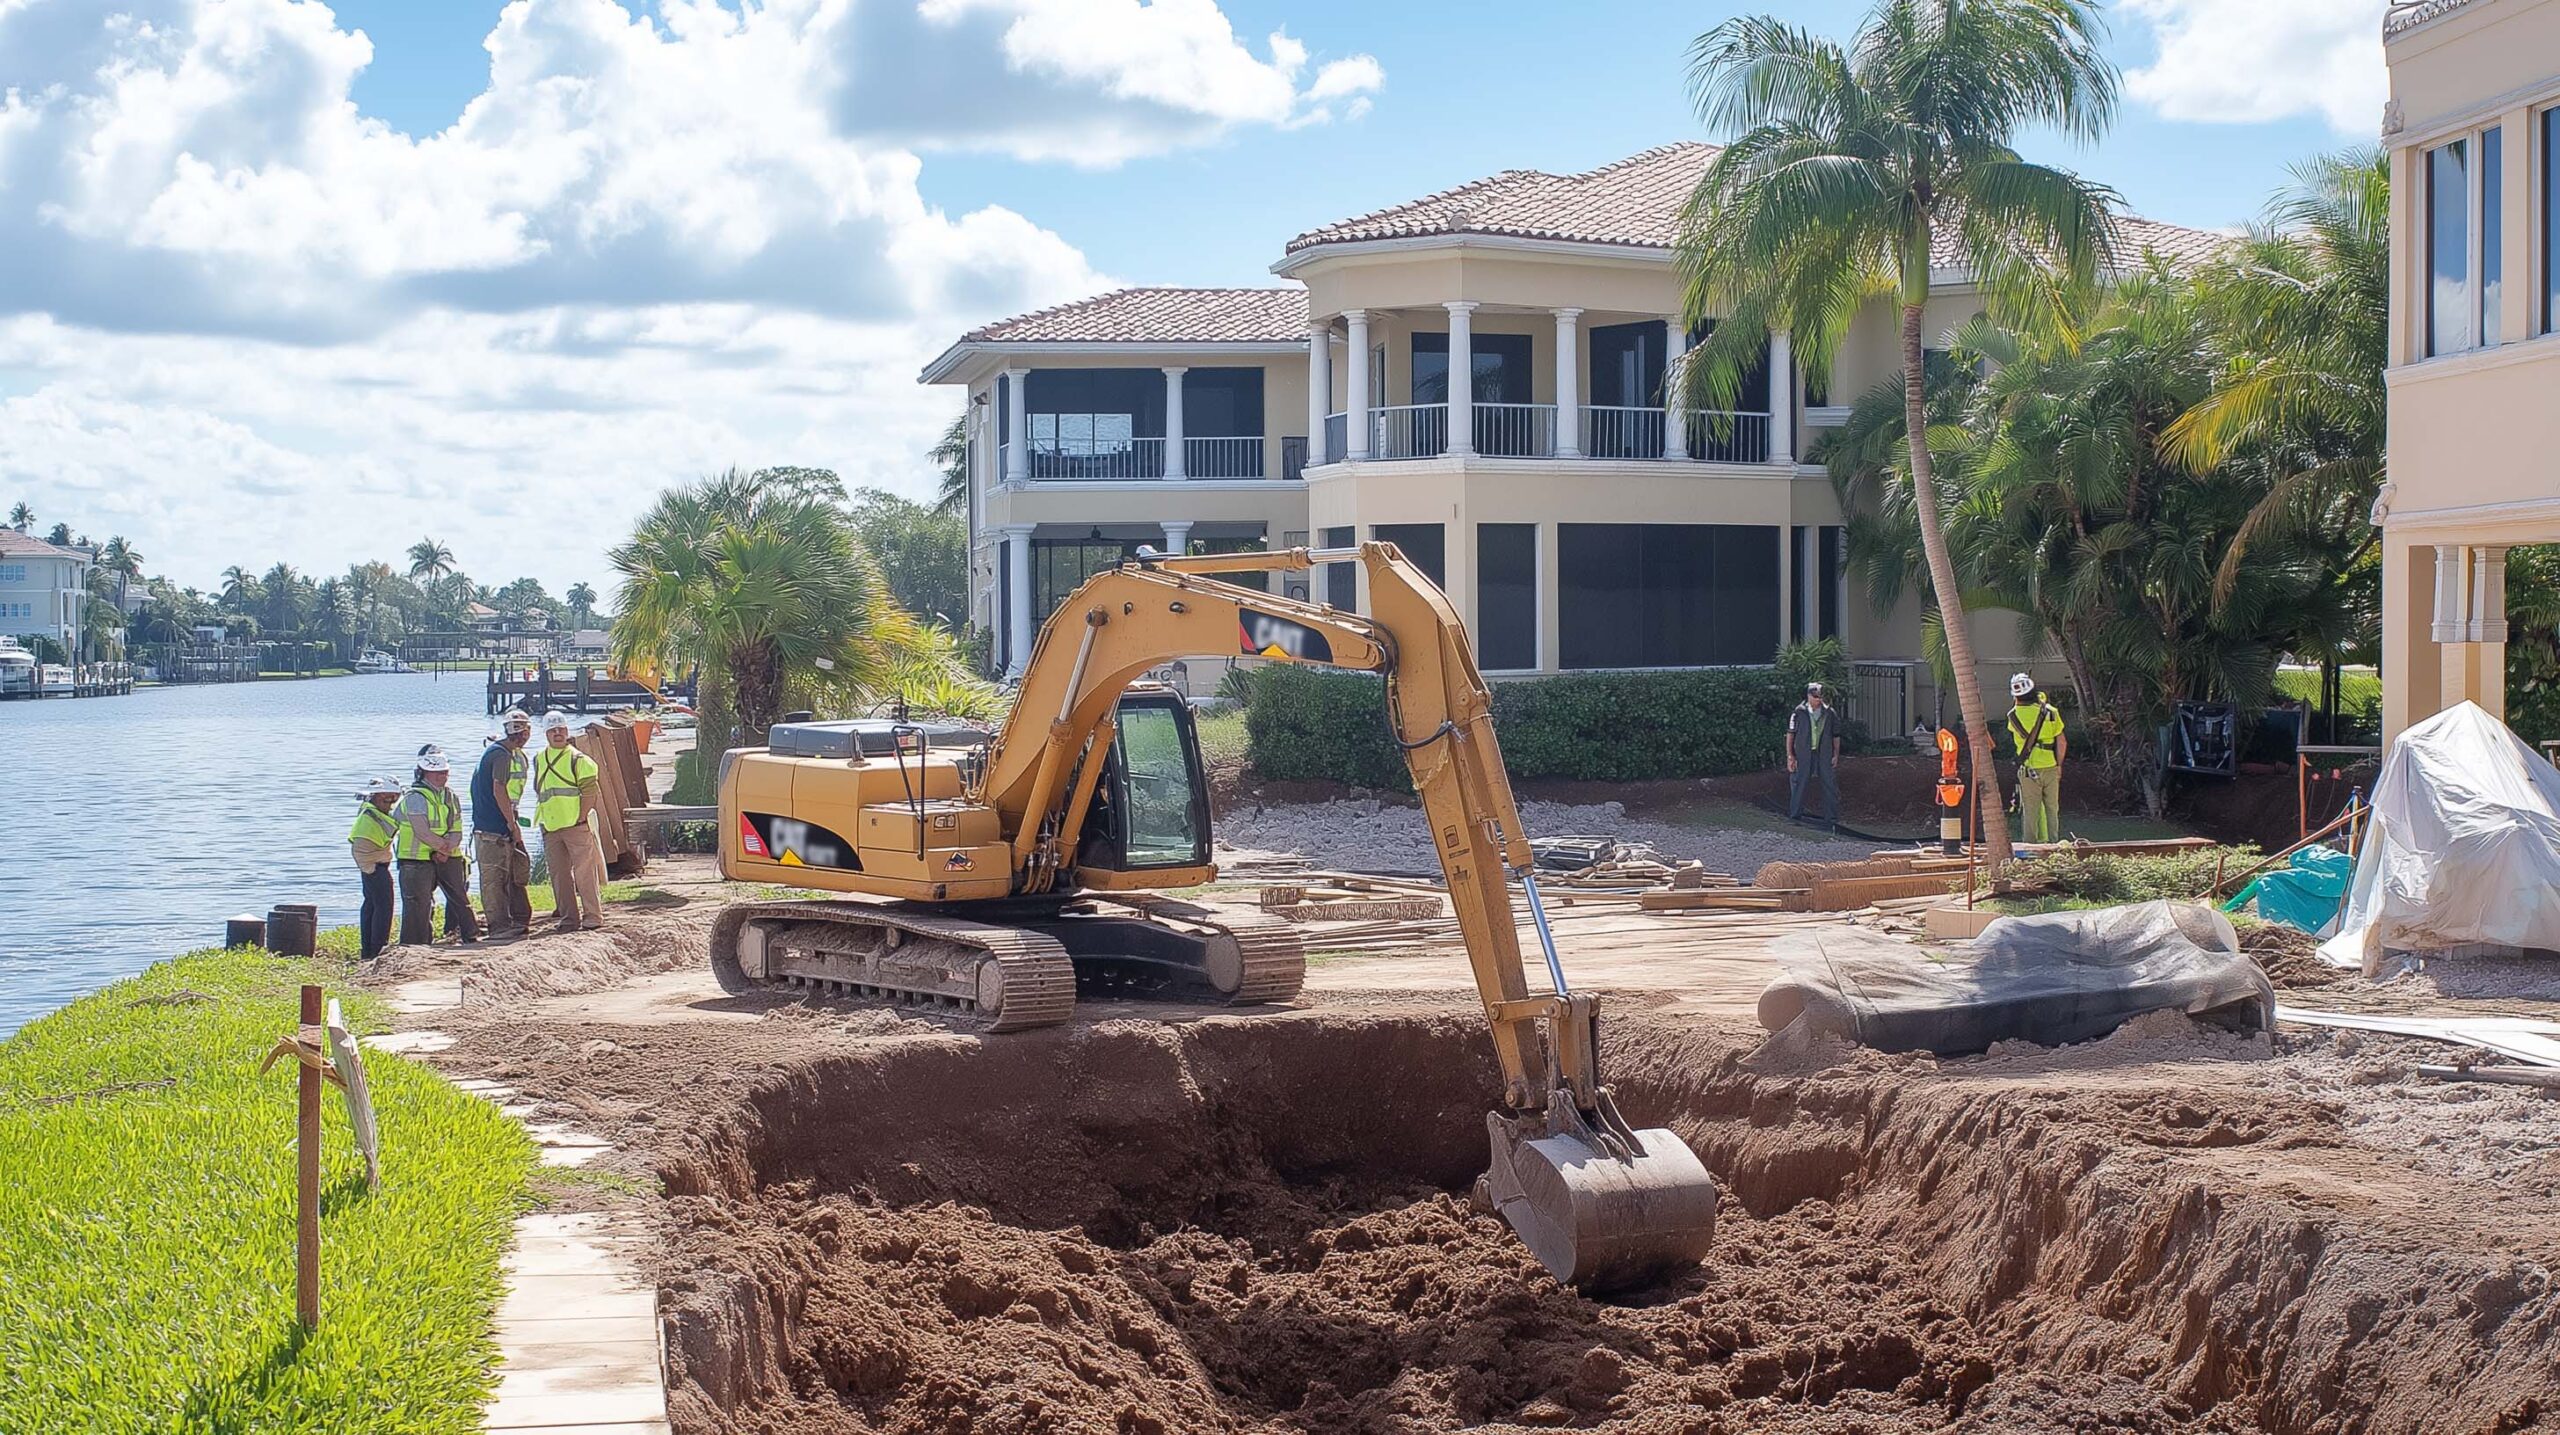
pixel 1255 1224
pixel 639 939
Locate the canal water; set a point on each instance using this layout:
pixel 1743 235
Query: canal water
pixel 130 827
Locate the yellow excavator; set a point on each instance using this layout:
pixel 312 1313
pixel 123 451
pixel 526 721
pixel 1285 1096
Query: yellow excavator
pixel 989 877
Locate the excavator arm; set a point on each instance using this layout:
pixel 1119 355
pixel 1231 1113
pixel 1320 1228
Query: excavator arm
pixel 1600 1203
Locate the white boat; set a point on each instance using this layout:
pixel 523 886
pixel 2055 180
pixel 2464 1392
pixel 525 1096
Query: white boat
pixel 374 660
pixel 17 667
pixel 54 675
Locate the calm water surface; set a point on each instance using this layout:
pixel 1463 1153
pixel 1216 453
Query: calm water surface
pixel 131 827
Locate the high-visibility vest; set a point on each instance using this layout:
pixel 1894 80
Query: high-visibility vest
pixel 374 825
pixel 2036 744
pixel 444 818
pixel 558 772
pixel 518 768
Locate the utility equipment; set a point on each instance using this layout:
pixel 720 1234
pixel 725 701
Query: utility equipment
pixel 991 877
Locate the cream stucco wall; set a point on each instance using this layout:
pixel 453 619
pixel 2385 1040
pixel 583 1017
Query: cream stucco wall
pixel 2474 442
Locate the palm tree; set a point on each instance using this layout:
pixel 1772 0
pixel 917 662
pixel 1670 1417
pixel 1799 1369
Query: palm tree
pixel 239 589
pixel 1852 173
pixel 429 560
pixel 582 604
pixel 20 515
pixel 951 455
pixel 765 584
pixel 123 560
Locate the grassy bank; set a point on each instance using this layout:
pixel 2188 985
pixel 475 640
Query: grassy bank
pixel 146 1221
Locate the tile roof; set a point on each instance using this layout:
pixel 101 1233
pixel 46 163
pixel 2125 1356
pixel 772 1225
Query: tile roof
pixel 1159 316
pixel 2410 14
pixel 14 544
pixel 1634 202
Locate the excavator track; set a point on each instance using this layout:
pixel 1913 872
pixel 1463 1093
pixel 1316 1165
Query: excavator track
pixel 997 978
pixel 1269 956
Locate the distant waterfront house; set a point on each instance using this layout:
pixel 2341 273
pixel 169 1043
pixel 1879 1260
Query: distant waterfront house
pixel 1477 376
pixel 2473 126
pixel 41 589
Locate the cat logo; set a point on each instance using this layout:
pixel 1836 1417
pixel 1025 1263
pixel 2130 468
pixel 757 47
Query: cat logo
pixel 1268 635
pixel 959 862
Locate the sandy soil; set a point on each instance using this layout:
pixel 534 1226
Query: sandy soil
pixel 1161 1218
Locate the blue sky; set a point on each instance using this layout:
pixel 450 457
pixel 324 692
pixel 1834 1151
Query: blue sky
pixel 308 281
pixel 1471 90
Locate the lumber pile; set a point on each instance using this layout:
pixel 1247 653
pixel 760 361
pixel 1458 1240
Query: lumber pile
pixel 1333 898
pixel 622 783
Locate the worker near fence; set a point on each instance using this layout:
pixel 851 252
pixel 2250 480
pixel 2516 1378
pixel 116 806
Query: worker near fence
pixel 497 826
pixel 2035 729
pixel 564 794
pixel 431 856
pixel 374 841
pixel 1813 756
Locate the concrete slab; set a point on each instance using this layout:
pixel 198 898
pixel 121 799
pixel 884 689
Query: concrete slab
pixel 564 1225
pixel 427 994
pixel 534 1332
pixel 601 1407
pixel 562 1134
pixel 409 1043
pixel 622 1427
pixel 619 1379
pixel 580 1355
pixel 576 1298
pixel 570 1155
pixel 563 1256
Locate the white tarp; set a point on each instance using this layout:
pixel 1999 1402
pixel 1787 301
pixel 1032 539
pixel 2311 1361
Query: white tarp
pixel 2463 850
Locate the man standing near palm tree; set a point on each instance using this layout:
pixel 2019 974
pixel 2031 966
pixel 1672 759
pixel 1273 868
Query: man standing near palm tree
pixel 564 793
pixel 1854 173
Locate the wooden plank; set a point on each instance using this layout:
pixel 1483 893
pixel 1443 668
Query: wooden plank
pixel 1842 894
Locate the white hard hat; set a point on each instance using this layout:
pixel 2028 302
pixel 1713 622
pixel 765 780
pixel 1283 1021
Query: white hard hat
pixel 431 759
pixel 2021 685
pixel 382 787
pixel 513 716
pixel 555 721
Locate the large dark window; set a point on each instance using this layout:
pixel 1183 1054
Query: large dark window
pixel 1506 596
pixel 1342 580
pixel 1060 565
pixel 1501 368
pixel 2449 301
pixel 1835 547
pixel 1667 595
pixel 1425 544
pixel 1096 423
pixel 1626 392
pixel 1253 544
pixel 1221 407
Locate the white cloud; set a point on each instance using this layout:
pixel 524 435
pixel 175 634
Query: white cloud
pixel 240 319
pixel 2247 61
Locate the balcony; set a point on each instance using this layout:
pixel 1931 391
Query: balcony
pixel 1603 432
pixel 1122 458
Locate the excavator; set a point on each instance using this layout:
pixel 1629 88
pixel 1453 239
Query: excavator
pixel 990 877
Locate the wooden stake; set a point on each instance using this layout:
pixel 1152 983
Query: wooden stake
pixel 306 1148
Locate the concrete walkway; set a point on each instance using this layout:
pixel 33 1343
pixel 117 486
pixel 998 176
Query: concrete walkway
pixel 578 1350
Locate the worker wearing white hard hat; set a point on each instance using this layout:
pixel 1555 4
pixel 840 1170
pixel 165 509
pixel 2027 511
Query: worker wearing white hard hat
pixel 564 785
pixel 431 856
pixel 497 826
pixel 2035 731
pixel 371 842
pixel 1813 757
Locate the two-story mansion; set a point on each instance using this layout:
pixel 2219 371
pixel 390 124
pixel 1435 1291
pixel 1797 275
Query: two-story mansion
pixel 1476 376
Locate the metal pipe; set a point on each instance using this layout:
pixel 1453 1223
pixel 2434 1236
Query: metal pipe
pixel 1546 937
pixel 1093 622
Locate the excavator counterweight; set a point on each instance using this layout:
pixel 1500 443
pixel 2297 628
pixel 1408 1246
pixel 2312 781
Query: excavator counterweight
pixel 996 877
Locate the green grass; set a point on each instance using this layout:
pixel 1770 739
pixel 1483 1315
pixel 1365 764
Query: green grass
pixel 1221 736
pixel 147 1221
pixel 2106 880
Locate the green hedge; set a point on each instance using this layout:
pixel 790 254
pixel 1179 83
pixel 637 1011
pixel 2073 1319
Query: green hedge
pixel 1305 724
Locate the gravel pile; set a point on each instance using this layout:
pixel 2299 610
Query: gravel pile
pixel 1370 836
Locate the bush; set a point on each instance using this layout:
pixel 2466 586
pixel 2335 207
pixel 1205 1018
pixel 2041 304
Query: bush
pixel 2107 879
pixel 1607 727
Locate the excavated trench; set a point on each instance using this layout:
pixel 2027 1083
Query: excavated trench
pixel 1257 1224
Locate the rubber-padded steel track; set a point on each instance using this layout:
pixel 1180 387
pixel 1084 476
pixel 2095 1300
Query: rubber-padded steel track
pixel 1015 979
pixel 1274 954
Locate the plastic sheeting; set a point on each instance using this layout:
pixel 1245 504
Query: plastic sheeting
pixel 2304 894
pixel 2057 978
pixel 2462 854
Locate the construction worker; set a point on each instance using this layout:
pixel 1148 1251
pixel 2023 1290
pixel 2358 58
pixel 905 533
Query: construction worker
pixel 2035 729
pixel 372 842
pixel 431 859
pixel 497 826
pixel 1813 754
pixel 564 794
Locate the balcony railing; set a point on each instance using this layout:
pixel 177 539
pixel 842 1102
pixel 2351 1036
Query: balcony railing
pixel 1113 458
pixel 1337 429
pixel 1716 437
pixel 1515 430
pixel 1530 431
pixel 1222 457
pixel 1614 432
pixel 1409 431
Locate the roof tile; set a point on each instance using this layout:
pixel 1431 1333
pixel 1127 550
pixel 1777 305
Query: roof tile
pixel 1159 316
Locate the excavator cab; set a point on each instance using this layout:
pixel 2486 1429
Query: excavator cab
pixel 1150 807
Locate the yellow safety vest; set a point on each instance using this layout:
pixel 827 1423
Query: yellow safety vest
pixel 2035 745
pixel 559 772
pixel 517 768
pixel 374 825
pixel 444 818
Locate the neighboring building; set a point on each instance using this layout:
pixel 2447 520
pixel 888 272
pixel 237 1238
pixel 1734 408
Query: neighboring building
pixel 2474 129
pixel 1477 376
pixel 41 589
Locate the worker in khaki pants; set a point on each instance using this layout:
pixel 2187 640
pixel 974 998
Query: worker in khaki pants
pixel 2035 727
pixel 497 828
pixel 564 787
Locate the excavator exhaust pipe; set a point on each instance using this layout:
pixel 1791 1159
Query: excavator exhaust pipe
pixel 1602 1206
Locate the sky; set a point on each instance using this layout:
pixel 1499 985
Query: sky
pixel 288 280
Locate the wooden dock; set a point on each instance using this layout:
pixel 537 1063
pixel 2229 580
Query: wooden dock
pixel 91 680
pixel 543 686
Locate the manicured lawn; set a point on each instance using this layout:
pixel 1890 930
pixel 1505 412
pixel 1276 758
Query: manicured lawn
pixel 147 1222
pixel 1221 736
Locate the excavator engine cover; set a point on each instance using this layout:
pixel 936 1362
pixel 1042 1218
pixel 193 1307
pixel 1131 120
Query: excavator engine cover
pixel 1602 1212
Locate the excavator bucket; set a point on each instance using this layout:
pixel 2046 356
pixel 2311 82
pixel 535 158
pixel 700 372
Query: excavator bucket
pixel 1602 1209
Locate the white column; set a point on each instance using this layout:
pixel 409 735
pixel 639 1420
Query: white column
pixel 1355 413
pixel 1786 587
pixel 1568 383
pixel 1675 428
pixel 1462 376
pixel 1017 427
pixel 1782 398
pixel 1319 388
pixel 2488 621
pixel 1177 536
pixel 1017 621
pixel 2452 621
pixel 1173 455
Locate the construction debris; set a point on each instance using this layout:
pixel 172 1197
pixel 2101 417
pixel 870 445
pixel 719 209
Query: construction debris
pixel 1330 898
